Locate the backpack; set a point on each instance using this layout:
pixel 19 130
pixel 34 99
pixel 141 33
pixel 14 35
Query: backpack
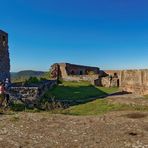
pixel 2 89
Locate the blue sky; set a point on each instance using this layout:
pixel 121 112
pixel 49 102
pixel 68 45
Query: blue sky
pixel 110 34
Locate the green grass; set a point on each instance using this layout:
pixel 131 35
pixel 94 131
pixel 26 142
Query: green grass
pixel 78 90
pixel 15 118
pixel 100 106
pixel 146 96
pixel 17 107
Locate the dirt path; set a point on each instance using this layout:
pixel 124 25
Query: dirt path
pixel 128 99
pixel 42 130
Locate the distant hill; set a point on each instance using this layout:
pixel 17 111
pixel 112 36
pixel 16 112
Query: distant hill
pixel 25 74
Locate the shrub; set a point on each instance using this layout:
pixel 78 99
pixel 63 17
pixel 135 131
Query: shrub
pixel 43 79
pixel 91 72
pixel 32 80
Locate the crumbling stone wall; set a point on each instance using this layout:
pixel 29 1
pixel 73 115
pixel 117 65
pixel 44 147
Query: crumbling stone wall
pixel 55 71
pixel 112 79
pixel 73 69
pixel 109 82
pixel 4 56
pixel 64 70
pixel 135 81
pixel 72 72
pixel 32 91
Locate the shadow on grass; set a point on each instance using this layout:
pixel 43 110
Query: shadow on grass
pixel 66 95
pixel 120 93
pixel 78 93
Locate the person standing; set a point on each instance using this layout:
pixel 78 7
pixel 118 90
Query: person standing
pixel 2 93
pixel 6 90
pixel 7 83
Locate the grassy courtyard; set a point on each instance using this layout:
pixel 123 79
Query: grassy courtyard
pixel 84 92
pixel 101 106
pixel 78 90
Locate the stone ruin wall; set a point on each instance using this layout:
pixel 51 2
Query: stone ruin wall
pixel 80 73
pixel 72 72
pixel 80 69
pixel 91 78
pixel 68 69
pixel 63 72
pixel 92 74
pixel 108 82
pixel 111 82
pixel 4 56
pixel 31 92
pixel 135 81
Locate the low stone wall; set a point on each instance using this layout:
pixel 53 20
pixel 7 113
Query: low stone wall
pixel 91 78
pixel 33 91
pixel 135 81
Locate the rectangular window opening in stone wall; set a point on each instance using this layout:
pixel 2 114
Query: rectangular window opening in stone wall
pixel 81 72
pixel 4 40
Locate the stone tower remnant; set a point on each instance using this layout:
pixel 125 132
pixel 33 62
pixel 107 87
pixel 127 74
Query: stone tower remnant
pixel 4 56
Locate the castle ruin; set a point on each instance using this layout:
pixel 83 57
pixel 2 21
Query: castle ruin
pixel 4 56
pixel 67 69
pixel 73 72
pixel 135 81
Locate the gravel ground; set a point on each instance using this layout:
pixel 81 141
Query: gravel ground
pixel 127 129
